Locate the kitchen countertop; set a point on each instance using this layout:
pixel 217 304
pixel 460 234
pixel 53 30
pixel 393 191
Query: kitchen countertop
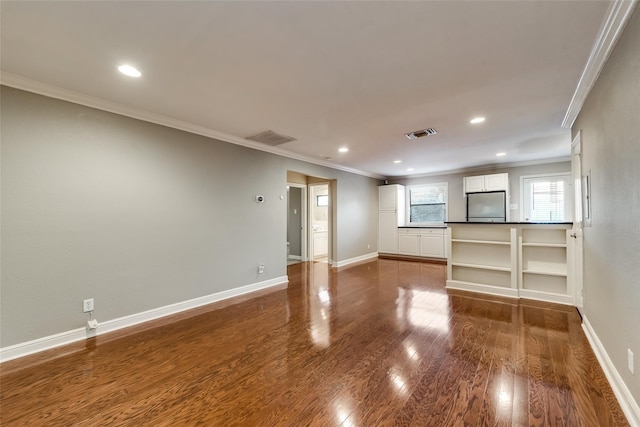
pixel 422 226
pixel 512 223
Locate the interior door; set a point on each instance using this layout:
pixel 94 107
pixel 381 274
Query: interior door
pixel 577 232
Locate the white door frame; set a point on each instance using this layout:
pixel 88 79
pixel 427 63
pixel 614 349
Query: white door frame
pixel 303 217
pixel 576 242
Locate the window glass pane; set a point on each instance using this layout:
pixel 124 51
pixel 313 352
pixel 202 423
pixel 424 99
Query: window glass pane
pixel 427 203
pixel 431 194
pixel 547 198
pixel 428 213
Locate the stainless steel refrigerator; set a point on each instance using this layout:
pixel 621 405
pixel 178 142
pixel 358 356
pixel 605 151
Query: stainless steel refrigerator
pixel 487 207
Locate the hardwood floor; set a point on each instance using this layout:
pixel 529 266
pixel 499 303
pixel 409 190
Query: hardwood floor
pixel 378 344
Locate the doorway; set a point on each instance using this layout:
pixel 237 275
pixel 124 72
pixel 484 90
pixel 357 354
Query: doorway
pixel 296 223
pixel 310 218
pixel 319 220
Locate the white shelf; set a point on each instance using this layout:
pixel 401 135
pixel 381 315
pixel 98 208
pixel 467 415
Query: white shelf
pixel 480 266
pixel 545 245
pixel 482 242
pixel 546 272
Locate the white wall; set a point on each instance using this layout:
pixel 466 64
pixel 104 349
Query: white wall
pixel 610 127
pixel 140 216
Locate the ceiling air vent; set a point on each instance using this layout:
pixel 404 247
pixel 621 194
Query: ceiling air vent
pixel 270 138
pixel 420 133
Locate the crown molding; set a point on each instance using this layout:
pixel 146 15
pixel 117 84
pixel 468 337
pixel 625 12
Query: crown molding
pixel 617 16
pixel 23 83
pixel 488 167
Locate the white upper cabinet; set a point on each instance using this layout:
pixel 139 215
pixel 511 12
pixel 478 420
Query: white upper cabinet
pixel 493 182
pixel 391 197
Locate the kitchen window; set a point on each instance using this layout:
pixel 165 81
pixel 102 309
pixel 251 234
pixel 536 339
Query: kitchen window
pixel 547 198
pixel 427 204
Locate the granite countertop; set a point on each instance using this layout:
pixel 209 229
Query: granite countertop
pixel 511 222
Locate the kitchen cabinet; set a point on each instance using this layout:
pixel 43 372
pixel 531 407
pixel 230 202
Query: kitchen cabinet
pixel 320 244
pixel 493 182
pixel 424 242
pixel 390 216
pixel 391 197
pixel 387 232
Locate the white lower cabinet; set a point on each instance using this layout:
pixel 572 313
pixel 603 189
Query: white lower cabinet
pixel 425 242
pixel 408 244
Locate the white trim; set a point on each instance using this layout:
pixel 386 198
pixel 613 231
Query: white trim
pixel 617 16
pixel 547 297
pixel 482 289
pixel 51 91
pixel 354 260
pixel 296 257
pixel 41 344
pixel 74 335
pixel 629 405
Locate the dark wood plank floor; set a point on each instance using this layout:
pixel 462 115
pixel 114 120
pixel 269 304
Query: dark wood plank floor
pixel 378 344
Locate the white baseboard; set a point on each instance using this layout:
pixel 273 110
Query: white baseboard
pixel 482 289
pixel 296 257
pixel 355 260
pixel 74 335
pixel 629 405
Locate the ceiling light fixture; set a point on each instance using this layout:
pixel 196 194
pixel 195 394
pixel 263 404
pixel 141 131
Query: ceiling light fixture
pixel 343 149
pixel 397 161
pixel 130 71
pixel 501 154
pixel 477 120
pixel 410 169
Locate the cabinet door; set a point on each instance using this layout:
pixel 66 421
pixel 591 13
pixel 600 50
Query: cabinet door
pixel 408 244
pixel 496 182
pixel 387 232
pixel 387 199
pixel 320 244
pixel 473 184
pixel 432 245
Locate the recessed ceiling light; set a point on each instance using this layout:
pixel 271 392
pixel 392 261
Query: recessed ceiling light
pixel 477 120
pixel 130 71
pixel 397 161
pixel 409 169
pixel 343 149
pixel 500 154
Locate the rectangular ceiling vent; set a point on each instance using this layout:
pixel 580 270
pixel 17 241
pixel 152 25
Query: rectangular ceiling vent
pixel 271 138
pixel 420 133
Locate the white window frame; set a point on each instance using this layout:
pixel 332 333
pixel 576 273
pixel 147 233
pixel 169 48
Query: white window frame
pixel 408 203
pixel 568 196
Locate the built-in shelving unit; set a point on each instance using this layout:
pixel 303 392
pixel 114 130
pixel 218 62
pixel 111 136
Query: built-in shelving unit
pixel 481 260
pixel 544 265
pixel 514 260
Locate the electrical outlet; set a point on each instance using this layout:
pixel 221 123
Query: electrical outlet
pixel 260 268
pixel 369 246
pixel 630 359
pixel 87 305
